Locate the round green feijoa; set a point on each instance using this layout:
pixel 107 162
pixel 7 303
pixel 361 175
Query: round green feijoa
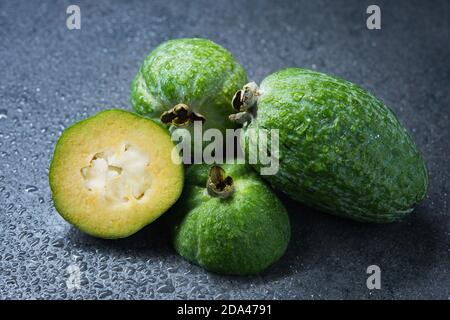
pixel 107 180
pixel 340 148
pixel 187 80
pixel 228 220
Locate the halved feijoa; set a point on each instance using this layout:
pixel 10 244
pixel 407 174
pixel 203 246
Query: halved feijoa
pixel 114 173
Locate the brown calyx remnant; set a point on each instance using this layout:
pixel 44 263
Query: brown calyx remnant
pixel 244 102
pixel 181 116
pixel 219 184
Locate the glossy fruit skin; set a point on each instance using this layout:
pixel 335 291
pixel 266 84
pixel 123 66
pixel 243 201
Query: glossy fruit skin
pixel 341 149
pixel 196 72
pixel 240 235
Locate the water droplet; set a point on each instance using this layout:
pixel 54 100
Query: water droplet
pixel 130 271
pixel 30 188
pixel 166 288
pixel 97 285
pixel 41 200
pixel 298 96
pixel 3 114
pixel 172 269
pixel 58 243
pixel 34 242
pixel 51 256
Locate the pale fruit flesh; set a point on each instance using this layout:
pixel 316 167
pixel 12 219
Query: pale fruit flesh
pixel 118 175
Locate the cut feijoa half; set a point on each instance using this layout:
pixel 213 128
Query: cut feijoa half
pixel 114 173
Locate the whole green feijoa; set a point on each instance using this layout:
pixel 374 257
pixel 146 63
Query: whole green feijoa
pixel 229 221
pixel 340 148
pixel 187 80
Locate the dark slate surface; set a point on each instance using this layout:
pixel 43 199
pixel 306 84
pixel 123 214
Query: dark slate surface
pixel 52 77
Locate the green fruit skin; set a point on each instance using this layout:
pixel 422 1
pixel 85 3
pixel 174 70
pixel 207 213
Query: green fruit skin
pixel 196 72
pixel 240 235
pixel 341 149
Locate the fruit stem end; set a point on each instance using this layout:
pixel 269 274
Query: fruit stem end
pixel 245 103
pixel 219 184
pixel 181 116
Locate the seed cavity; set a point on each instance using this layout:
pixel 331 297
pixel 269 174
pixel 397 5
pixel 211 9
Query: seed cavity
pixel 119 176
pixel 181 116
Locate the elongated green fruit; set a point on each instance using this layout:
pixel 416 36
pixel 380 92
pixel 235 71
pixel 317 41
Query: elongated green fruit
pixel 341 149
pixel 187 80
pixel 229 221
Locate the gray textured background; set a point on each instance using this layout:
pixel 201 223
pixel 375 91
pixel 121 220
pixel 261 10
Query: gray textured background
pixel 52 77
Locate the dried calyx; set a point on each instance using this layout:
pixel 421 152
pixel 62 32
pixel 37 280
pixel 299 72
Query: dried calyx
pixel 244 102
pixel 181 116
pixel 219 184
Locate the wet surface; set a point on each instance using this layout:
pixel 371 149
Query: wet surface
pixel 52 77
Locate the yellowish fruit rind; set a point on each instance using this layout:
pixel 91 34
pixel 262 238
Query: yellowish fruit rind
pixel 89 211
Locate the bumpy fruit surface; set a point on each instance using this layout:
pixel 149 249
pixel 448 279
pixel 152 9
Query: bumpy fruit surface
pixel 229 221
pixel 341 149
pixel 187 80
pixel 108 180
